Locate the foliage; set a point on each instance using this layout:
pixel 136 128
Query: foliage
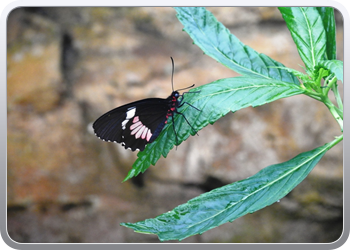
pixel 263 80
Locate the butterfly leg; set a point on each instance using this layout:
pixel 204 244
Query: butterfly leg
pixel 172 119
pixel 186 121
pixel 181 104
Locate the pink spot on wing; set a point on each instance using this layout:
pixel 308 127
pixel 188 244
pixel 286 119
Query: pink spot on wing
pixel 144 134
pixel 140 130
pixel 139 133
pixel 136 119
pixel 149 135
pixel 135 125
pixel 137 129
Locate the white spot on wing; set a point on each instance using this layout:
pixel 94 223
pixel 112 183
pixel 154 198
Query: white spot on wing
pixel 130 113
pixel 124 124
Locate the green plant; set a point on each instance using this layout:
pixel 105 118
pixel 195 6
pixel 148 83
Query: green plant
pixel 263 80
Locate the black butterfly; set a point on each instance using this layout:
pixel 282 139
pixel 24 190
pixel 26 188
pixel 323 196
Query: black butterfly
pixel 138 123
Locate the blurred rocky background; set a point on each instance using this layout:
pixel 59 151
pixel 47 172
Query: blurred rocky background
pixel 68 66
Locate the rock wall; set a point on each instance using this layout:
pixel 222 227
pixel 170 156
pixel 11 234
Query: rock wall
pixel 67 66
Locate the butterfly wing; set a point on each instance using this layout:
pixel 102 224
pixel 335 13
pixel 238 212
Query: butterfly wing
pixel 135 124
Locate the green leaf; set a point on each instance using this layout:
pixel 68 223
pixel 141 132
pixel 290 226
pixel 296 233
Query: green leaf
pixel 334 66
pixel 327 16
pixel 217 42
pixel 215 100
pixel 232 201
pixel 306 27
pixel 297 73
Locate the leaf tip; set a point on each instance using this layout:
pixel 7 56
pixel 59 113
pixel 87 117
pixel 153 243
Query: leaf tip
pixel 130 175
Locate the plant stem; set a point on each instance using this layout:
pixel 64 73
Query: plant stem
pixel 332 84
pixel 337 96
pixel 337 113
pixel 335 141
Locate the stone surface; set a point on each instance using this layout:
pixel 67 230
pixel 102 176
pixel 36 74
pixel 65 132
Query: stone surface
pixel 67 66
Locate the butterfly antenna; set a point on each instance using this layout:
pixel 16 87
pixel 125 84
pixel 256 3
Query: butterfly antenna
pixel 172 78
pixel 172 73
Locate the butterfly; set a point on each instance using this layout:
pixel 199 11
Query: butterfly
pixel 139 123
